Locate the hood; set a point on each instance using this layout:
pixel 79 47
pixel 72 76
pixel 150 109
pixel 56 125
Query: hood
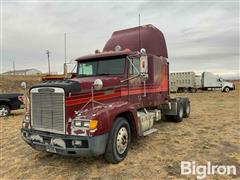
pixel 10 95
pixel 226 83
pixel 80 85
pixel 110 82
pixel 67 85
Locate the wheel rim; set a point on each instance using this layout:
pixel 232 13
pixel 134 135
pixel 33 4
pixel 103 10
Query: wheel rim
pixel 3 111
pixel 181 112
pixel 122 140
pixel 227 89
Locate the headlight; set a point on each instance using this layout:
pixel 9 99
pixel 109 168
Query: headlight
pixel 90 124
pixel 26 118
pixel 80 123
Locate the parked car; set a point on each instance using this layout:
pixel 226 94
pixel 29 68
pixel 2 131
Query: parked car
pixel 9 102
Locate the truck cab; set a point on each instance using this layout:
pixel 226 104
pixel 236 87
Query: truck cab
pixel 212 81
pixel 117 95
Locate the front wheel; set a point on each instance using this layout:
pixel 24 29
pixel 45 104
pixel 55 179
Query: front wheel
pixel 226 89
pixel 4 110
pixel 119 141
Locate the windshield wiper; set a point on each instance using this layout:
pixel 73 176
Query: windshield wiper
pixel 84 75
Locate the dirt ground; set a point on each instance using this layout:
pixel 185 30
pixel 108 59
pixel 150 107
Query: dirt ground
pixel 211 133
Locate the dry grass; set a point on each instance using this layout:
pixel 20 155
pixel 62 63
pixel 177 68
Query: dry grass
pixel 12 83
pixel 210 134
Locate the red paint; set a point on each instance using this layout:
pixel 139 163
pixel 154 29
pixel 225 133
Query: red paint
pixel 123 96
pixel 134 91
pixel 120 95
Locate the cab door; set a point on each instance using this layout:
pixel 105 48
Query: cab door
pixel 135 84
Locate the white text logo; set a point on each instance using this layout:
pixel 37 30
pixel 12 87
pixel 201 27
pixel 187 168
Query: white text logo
pixel 201 171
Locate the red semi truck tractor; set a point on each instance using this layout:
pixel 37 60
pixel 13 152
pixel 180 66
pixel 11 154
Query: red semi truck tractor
pixel 115 96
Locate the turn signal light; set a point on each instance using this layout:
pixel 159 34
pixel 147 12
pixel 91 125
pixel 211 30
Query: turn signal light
pixel 93 124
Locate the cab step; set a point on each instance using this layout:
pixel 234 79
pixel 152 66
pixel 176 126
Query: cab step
pixel 150 131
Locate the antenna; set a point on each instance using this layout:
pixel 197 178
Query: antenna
pixel 48 52
pixel 65 48
pixel 139 33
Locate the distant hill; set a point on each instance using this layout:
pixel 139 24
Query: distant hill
pixel 12 83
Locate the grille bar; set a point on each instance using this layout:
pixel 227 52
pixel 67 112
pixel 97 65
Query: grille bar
pixel 48 110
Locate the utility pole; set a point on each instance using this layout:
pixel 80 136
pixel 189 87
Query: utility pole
pixel 48 54
pixel 65 56
pixel 14 68
pixel 65 48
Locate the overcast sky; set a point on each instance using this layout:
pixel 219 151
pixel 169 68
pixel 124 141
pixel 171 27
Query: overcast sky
pixel 201 36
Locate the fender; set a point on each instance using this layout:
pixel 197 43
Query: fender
pixel 120 108
pixel 5 101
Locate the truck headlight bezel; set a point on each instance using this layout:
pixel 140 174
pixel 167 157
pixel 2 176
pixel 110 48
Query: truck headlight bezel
pixel 85 124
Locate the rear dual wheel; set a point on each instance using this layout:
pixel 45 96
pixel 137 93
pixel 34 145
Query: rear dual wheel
pixel 180 112
pixel 187 109
pixel 183 111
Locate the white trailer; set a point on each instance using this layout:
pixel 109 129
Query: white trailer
pixel 183 82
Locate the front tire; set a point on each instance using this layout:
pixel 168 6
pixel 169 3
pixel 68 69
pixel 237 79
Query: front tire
pixel 4 110
pixel 118 142
pixel 226 89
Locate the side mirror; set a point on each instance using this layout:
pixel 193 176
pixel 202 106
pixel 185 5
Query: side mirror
pixel 219 79
pixel 144 67
pixel 144 64
pixel 98 84
pixel 23 85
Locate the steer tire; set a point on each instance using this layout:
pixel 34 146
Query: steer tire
pixel 226 89
pixel 119 129
pixel 4 110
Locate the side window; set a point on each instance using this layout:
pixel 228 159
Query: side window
pixel 132 70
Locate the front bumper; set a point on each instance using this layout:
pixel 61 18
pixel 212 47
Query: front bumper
pixel 90 146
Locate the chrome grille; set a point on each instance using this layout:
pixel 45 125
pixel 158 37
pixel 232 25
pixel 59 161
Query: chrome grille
pixel 48 110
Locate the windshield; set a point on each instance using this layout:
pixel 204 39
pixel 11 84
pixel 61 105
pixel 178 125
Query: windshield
pixel 100 67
